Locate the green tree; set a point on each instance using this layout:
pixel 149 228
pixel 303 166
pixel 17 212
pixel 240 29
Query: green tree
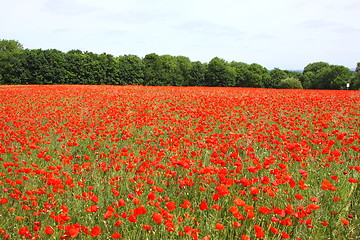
pixel 277 75
pixel 357 70
pixel 324 76
pixel 152 68
pixel 290 83
pixel 310 78
pixel 12 69
pixel 257 76
pixel 294 74
pixel 96 67
pixel 37 66
pixel 93 70
pixel 131 70
pixel 45 66
pixel 166 70
pixel 169 74
pixel 110 66
pixel 333 77
pixel 10 46
pixel 242 71
pixel 74 66
pixel 197 74
pixel 85 67
pixel 220 74
pixel 315 67
pixel 183 68
pixel 355 78
pixel 56 70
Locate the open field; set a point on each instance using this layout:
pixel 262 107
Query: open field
pixel 134 162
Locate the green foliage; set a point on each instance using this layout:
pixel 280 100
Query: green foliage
pixel 295 74
pixel 197 74
pixel 277 75
pixel 322 75
pixel 131 70
pixel 74 66
pixel 152 68
pixel 169 74
pixel 11 62
pixel 307 80
pixel 90 68
pixel 12 70
pixel 111 70
pixel 357 70
pixel 220 73
pixel 290 83
pixel 355 79
pixel 44 67
pixel 241 70
pixel 257 76
pixel 10 46
pixel 37 66
pixel 167 70
pixel 315 67
pixel 334 77
pixel 184 68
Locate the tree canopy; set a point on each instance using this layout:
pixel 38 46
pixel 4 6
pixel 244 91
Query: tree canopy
pixel 37 66
pixel 322 75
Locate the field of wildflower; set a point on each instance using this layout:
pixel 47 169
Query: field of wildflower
pixel 135 162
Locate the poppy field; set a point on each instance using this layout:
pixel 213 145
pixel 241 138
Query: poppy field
pixel 135 162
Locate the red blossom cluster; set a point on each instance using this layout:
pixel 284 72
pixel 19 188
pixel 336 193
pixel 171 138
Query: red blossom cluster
pixel 126 162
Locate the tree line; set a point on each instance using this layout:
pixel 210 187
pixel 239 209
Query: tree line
pixel 37 66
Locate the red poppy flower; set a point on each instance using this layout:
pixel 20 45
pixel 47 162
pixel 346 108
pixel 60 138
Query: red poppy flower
pixel 259 231
pixel 146 227
pixel 132 218
pixel 345 221
pixel 284 235
pixel 3 200
pixel 219 226
pixel 203 206
pixel 239 202
pixel 274 230
pixel 96 231
pixel 353 180
pixel 186 204
pixel 245 237
pixel 73 231
pixel 157 217
pixel 298 196
pixel 116 235
pixel 171 206
pixel 324 223
pixel 237 224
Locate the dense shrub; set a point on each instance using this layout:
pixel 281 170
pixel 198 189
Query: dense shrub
pixel 290 83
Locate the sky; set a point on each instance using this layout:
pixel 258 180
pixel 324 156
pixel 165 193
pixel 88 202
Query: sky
pixel 285 34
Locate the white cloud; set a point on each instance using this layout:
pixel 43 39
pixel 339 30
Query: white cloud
pixel 128 17
pixel 208 28
pixel 319 23
pixel 67 7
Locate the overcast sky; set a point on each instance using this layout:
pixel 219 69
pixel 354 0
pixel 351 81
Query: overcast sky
pixel 288 34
